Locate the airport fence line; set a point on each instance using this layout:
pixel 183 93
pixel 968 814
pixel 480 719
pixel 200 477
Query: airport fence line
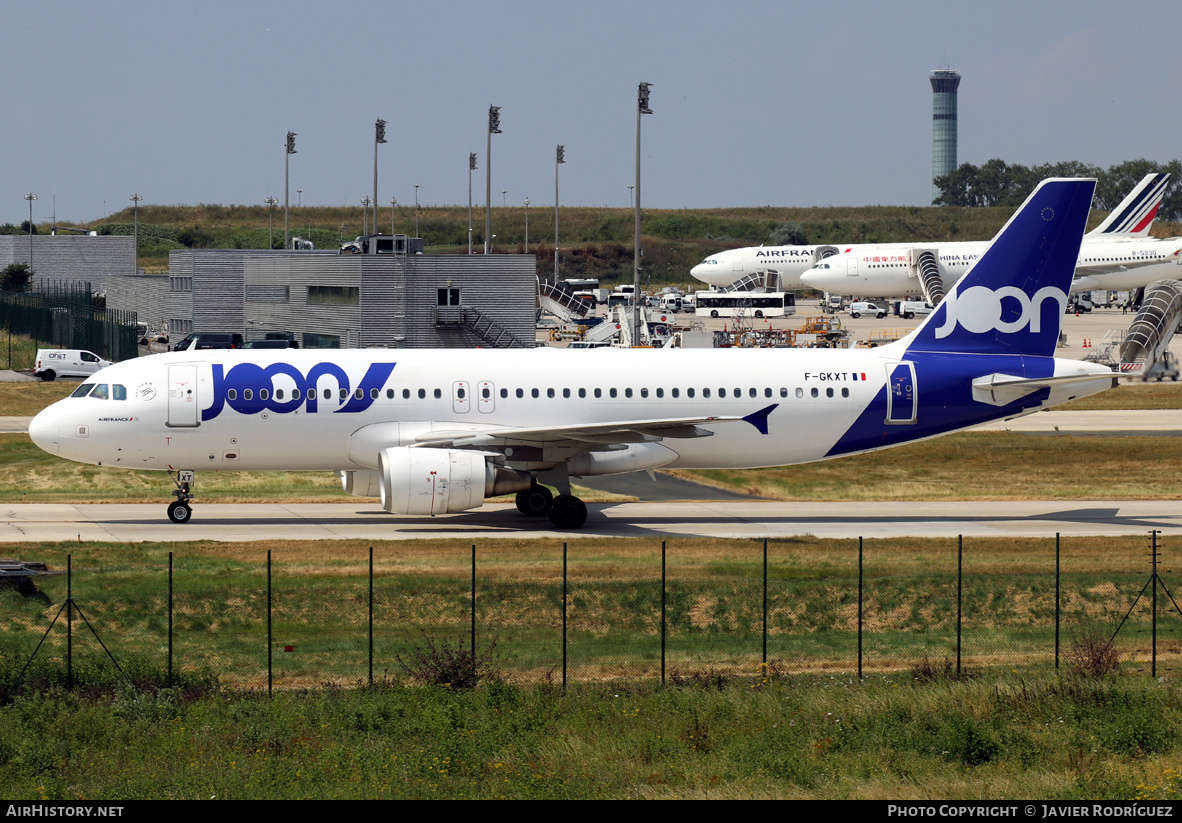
pixel 60 315
pixel 652 616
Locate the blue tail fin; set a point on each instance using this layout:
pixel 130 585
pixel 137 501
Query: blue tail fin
pixel 1012 301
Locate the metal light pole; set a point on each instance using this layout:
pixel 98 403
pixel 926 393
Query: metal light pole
pixel 135 199
pixel 30 197
pixel 494 127
pixel 471 168
pixel 503 193
pixel 393 205
pixel 641 109
pixel 416 209
pixel 291 149
pixel 559 159
pixel 365 204
pixel 379 136
pixel 630 189
pixel 527 225
pixel 271 203
pixel 299 198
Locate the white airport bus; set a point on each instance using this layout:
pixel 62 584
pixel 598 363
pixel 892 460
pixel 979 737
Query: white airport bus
pixel 745 304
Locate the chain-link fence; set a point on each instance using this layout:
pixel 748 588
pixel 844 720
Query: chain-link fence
pixel 61 315
pixel 642 613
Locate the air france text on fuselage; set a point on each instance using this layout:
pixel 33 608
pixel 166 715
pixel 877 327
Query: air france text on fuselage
pixel 795 251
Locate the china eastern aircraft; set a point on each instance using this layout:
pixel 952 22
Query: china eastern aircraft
pixel 438 431
pixel 1130 220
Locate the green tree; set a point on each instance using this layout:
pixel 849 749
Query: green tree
pixel 789 233
pixel 16 277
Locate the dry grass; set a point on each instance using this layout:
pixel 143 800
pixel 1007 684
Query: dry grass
pixel 977 466
pixel 26 399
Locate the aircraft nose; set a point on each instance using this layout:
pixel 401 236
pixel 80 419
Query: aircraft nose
pixel 815 278
pixel 43 430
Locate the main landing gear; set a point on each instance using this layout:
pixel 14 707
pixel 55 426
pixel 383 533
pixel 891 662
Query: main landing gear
pixel 566 511
pixel 179 510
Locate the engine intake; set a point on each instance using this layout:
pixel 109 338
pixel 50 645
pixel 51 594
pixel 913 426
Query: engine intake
pixel 438 481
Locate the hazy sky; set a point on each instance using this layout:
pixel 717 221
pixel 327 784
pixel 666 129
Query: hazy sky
pixel 755 103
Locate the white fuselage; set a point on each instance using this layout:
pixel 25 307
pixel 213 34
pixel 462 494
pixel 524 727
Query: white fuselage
pixel 179 412
pixel 884 270
pixel 888 271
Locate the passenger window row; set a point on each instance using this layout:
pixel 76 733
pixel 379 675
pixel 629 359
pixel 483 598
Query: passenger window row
pixel 582 393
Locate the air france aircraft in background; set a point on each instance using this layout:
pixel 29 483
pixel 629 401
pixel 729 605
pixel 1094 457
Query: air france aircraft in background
pixel 1130 220
pixel 438 431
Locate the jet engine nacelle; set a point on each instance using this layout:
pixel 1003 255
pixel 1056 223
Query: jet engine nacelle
pixel 438 481
pixel 361 483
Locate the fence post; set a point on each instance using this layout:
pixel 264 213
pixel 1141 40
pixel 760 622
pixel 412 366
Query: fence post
pixel 861 606
pixel 662 612
pixel 69 621
pixel 270 670
pixel 1058 600
pixel 170 619
pixel 765 602
pixel 473 598
pixel 564 596
pixel 371 616
pixel 959 595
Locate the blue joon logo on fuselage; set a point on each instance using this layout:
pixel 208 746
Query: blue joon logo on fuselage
pixel 249 388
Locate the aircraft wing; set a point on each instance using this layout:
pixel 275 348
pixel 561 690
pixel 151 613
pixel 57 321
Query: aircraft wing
pixel 626 431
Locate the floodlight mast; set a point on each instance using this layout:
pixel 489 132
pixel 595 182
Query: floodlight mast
pixel 494 127
pixel 291 149
pixel 135 199
pixel 379 129
pixel 559 159
pixel 30 197
pixel 271 204
pixel 641 109
pixel 471 168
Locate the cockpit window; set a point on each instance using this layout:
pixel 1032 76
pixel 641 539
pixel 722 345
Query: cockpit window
pixel 101 391
pixel 83 390
pixel 118 391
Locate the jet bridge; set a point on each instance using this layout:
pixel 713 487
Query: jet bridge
pixel 925 267
pixel 1150 334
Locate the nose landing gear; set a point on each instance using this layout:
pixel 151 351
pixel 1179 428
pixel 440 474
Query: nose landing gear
pixel 179 510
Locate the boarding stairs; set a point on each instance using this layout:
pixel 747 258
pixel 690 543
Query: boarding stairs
pixel 1152 330
pixel 561 303
pixel 489 330
pixel 926 269
pixel 761 280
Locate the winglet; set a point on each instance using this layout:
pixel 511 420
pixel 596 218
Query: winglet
pixel 759 419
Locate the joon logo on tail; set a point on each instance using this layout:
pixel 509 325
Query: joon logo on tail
pixel 1007 310
pixel 249 388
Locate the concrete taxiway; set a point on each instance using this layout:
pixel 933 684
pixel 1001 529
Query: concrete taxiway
pixel 365 520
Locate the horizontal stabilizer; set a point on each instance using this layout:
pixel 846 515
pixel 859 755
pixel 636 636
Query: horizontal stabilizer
pixel 1003 389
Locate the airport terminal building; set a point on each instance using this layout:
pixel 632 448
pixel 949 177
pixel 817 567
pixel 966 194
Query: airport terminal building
pixel 323 299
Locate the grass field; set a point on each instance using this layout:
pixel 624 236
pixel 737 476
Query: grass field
pixel 721 727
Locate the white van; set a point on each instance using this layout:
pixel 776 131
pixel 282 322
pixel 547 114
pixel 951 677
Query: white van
pixel 54 363
pixel 859 309
pixel 909 309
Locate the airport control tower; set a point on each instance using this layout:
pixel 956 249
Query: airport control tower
pixel 944 83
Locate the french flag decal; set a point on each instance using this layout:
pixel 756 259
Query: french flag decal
pixel 858 377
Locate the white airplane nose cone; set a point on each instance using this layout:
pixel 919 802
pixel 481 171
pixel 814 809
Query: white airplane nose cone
pixel 43 430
